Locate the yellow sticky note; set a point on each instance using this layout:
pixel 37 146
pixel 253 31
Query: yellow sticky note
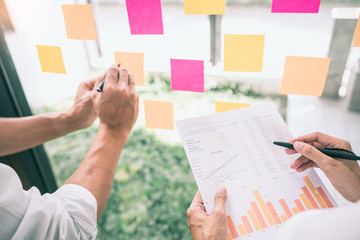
pixel 304 75
pixel 51 59
pixel 357 34
pixel 243 53
pixel 226 106
pixel 134 63
pixel 159 114
pixel 79 22
pixel 209 7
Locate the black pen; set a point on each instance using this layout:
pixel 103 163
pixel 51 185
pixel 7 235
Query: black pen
pixel 332 152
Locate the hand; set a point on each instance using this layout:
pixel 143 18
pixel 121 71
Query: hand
pixel 204 226
pixel 343 174
pixel 118 104
pixel 83 113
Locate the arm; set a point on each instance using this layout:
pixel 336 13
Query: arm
pixel 204 226
pixel 18 134
pixel 117 107
pixel 343 174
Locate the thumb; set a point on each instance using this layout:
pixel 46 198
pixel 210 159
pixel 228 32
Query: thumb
pixel 313 154
pixel 220 199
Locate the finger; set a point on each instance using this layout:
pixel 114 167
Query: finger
pixel 99 80
pixel 112 75
pixel 220 200
pixel 131 82
pixel 124 76
pixel 321 138
pixel 290 151
pixel 197 199
pixel 298 162
pixel 322 160
pixel 305 166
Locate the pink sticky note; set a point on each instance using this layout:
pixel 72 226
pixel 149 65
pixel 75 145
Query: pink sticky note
pixel 145 16
pixel 187 75
pixel 295 6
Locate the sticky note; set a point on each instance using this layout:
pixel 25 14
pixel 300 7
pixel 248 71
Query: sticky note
pixel 159 114
pixel 209 7
pixel 357 34
pixel 51 59
pixel 304 75
pixel 295 6
pixel 134 63
pixel 79 22
pixel 145 16
pixel 227 106
pixel 243 53
pixel 187 75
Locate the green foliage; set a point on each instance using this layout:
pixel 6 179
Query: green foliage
pixel 153 185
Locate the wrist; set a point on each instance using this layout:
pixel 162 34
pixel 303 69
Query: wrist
pixel 118 134
pixel 69 119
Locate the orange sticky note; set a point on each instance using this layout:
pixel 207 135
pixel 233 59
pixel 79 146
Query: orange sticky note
pixel 226 106
pixel 357 34
pixel 79 22
pixel 243 53
pixel 51 59
pixel 134 63
pixel 209 7
pixel 304 75
pixel 159 114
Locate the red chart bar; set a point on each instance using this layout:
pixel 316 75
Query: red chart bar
pixel 258 214
pixel 286 208
pixel 326 199
pixel 299 205
pixel 247 224
pixel 273 212
pixel 232 228
pixel 311 199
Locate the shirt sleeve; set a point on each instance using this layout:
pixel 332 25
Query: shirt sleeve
pixel 69 213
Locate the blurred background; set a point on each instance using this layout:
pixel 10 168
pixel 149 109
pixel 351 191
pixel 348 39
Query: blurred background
pixel 154 186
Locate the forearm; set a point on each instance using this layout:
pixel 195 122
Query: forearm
pixel 96 172
pixel 18 134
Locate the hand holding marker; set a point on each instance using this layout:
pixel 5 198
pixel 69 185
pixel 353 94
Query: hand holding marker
pixel 101 85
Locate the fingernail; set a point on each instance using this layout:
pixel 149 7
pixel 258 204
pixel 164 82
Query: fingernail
pixel 298 145
pixel 221 189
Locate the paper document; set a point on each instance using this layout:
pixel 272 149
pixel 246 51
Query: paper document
pixel 235 149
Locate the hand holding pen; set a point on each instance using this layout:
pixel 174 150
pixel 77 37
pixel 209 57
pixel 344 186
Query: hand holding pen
pixel 101 85
pixel 343 174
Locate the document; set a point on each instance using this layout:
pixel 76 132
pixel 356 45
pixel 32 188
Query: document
pixel 235 149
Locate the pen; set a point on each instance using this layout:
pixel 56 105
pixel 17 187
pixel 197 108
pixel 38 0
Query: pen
pixel 332 152
pixel 101 85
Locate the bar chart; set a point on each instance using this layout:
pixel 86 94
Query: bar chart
pixel 262 214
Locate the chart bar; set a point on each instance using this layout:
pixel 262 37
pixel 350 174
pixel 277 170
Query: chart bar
pixel 229 237
pixel 258 214
pixel 315 192
pixel 242 230
pixel 326 199
pixel 254 220
pixel 273 212
pixel 305 201
pixel 310 198
pixel 263 207
pixel 284 218
pixel 295 210
pixel 247 224
pixel 299 205
pixel 232 228
pixel 286 208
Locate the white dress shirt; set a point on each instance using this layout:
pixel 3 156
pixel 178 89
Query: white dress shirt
pixel 340 223
pixel 69 213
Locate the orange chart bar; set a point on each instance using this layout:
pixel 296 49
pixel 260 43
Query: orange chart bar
pixel 242 230
pixel 305 201
pixel 299 205
pixel 326 199
pixel 273 212
pixel 247 224
pixel 232 228
pixel 258 214
pixel 229 237
pixel 315 192
pixel 263 207
pixel 286 208
pixel 295 210
pixel 254 220
pixel 284 218
pixel 310 198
